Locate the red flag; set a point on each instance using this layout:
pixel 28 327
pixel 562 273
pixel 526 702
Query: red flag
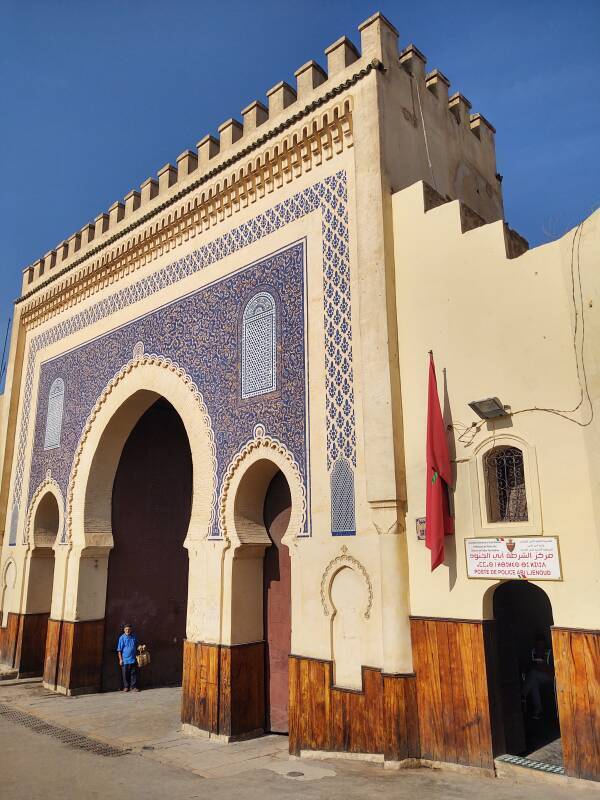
pixel 438 522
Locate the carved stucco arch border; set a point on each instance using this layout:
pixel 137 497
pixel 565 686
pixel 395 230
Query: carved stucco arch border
pixel 5 587
pixel 331 570
pixel 3 579
pixel 258 448
pixel 124 384
pixel 47 485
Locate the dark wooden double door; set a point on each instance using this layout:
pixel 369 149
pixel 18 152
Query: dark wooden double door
pixel 148 566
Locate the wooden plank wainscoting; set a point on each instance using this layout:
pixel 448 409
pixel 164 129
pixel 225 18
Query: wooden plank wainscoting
pixel 8 639
pixel 381 718
pixel 224 687
pixel 73 659
pixel 577 666
pixel 455 720
pixel 31 644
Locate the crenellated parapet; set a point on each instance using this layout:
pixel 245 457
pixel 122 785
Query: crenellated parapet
pixel 198 208
pixel 459 217
pixel 296 127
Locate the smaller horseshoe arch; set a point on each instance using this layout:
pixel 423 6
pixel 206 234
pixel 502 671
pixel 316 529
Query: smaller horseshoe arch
pixel 43 531
pixel 262 512
pixel 347 599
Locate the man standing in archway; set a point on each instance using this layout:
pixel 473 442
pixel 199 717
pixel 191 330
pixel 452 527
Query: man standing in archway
pixel 127 651
pixel 541 673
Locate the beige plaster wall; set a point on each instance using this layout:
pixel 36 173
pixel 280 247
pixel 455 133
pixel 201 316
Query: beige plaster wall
pixel 39 582
pixel 503 328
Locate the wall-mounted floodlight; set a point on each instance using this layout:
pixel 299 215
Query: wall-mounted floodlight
pixel 490 408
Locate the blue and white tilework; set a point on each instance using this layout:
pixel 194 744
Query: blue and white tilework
pixel 330 196
pixel 201 333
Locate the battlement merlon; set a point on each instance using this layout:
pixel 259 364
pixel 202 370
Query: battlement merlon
pixel 448 125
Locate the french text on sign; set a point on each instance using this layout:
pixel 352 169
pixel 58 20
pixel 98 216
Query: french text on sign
pixel 534 558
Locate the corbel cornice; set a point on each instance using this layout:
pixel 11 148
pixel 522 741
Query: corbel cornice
pixel 270 162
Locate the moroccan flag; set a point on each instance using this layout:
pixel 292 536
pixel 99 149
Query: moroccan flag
pixel 438 522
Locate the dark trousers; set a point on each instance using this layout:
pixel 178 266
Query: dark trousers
pixel 129 675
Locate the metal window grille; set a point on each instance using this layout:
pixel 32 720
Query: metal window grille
pixel 505 485
pixel 14 522
pixel 343 522
pixel 54 418
pixel 259 346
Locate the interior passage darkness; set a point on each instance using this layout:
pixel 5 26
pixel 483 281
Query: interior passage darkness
pixel 523 613
pixel 148 567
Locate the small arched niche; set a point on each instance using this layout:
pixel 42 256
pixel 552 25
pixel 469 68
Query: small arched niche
pixel 349 597
pixel 9 580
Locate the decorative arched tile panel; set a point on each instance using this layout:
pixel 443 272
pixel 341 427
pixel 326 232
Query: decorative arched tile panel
pixel 259 346
pixel 54 417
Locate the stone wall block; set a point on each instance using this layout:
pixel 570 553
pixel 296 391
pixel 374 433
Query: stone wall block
pixel 62 252
pixel 379 39
pixel 460 107
pixel 230 132
pixel 116 213
pixel 208 148
pixel 87 234
pixel 187 162
pixel 254 115
pixel 149 190
pixel 280 97
pixel 340 55
pixel 74 243
pixel 132 202
pixel 413 61
pixel 438 84
pixel 167 176
pixel 308 77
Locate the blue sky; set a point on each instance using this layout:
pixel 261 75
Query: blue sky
pixel 96 97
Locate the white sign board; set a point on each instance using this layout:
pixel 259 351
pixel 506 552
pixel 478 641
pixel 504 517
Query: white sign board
pixel 533 558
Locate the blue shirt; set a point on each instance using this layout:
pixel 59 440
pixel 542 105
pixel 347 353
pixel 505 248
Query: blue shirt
pixel 127 646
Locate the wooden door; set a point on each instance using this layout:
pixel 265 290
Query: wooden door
pixel 148 566
pixel 277 606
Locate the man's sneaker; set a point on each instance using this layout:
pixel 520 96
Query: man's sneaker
pixel 126 689
pixel 135 690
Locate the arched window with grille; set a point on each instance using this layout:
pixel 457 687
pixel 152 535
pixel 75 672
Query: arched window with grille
pixel 506 496
pixel 343 520
pixel 259 346
pixel 54 417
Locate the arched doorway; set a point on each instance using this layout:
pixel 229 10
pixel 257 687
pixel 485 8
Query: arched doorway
pixel 523 615
pixel 38 601
pixel 148 566
pixel 277 605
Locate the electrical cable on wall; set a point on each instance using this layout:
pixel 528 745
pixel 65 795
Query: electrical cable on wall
pixel 425 134
pixel 470 432
pixel 583 386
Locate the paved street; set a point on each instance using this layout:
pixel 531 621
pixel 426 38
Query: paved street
pixel 162 762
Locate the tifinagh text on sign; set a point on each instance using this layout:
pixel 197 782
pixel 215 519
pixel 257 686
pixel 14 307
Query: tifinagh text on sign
pixel 535 558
